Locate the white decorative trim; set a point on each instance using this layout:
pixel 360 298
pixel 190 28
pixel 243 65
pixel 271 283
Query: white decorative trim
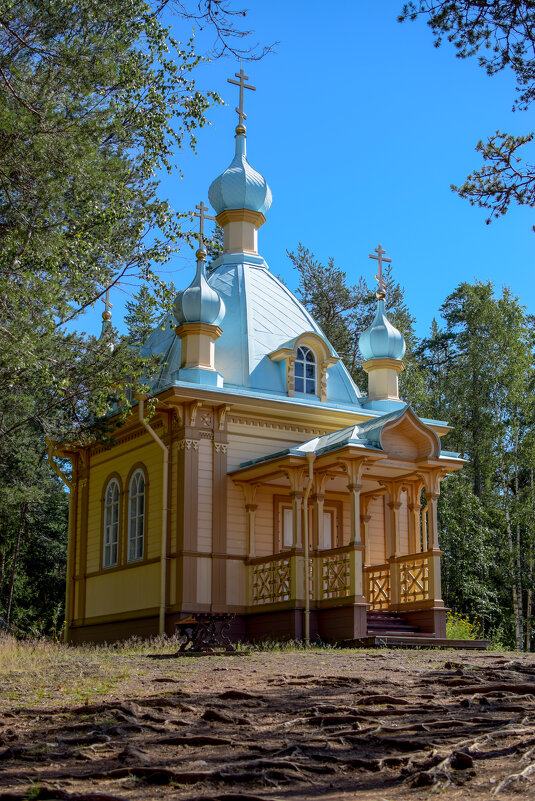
pixel 220 447
pixel 258 423
pixel 188 444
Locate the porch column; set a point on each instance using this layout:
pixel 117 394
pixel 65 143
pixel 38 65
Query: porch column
pixel 365 534
pixel 394 506
pixel 249 496
pixel 354 497
pixel 432 493
pixel 251 514
pixel 297 514
pixel 415 540
pixel 317 520
pixel 432 500
pixel 354 473
pixel 415 517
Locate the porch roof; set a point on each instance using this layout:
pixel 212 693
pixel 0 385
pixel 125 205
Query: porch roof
pixel 364 436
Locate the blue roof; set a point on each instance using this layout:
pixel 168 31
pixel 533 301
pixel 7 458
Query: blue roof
pixel 381 340
pixel 199 303
pixel 240 186
pixel 261 316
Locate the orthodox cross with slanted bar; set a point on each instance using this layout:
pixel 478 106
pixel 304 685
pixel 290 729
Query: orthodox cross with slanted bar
pixel 241 83
pixel 107 305
pixel 201 214
pixel 380 258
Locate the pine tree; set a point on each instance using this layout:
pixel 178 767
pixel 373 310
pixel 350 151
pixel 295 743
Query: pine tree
pixel 142 316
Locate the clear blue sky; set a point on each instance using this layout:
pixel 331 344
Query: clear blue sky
pixel 360 126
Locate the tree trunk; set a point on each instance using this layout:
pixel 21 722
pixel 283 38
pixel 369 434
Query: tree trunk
pixel 2 574
pixel 515 590
pixel 20 531
pixel 529 599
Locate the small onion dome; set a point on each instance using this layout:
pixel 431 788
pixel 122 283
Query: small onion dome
pixel 240 187
pixel 199 303
pixel 381 340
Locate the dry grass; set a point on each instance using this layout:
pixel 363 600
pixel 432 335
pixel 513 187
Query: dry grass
pixel 38 670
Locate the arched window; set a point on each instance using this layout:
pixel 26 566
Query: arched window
pixel 305 371
pixel 136 516
pixel 111 524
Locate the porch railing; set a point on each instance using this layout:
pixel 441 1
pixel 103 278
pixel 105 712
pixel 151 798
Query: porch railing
pixel 413 579
pixel 402 581
pixel 377 585
pixel 333 571
pixel 279 579
pixel 270 580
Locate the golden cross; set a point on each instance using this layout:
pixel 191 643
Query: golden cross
pixel 241 83
pixel 380 258
pixel 201 214
pixel 106 302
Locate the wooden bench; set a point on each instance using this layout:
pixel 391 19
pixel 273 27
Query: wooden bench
pixel 205 633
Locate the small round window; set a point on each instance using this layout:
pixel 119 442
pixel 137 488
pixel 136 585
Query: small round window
pixel 305 372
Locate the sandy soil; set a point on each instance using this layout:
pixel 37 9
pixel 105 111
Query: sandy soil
pixel 383 725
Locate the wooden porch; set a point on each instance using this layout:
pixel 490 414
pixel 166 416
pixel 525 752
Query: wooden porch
pixel 384 554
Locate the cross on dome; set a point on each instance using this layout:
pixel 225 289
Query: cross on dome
pixel 106 314
pixel 201 214
pixel 241 83
pixel 380 258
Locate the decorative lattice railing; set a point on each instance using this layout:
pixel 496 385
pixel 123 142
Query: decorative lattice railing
pixel 280 579
pixel 270 582
pixel 377 586
pixel 413 579
pixel 334 575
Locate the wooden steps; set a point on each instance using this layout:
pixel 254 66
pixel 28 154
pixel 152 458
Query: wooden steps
pixel 382 624
pixel 392 630
pixel 415 641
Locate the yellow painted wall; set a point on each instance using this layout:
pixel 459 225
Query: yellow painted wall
pixel 123 590
pixel 121 459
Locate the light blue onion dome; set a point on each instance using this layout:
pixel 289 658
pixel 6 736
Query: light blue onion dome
pixel 381 340
pixel 199 303
pixel 240 186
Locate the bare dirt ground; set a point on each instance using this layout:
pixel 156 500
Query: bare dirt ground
pixel 111 724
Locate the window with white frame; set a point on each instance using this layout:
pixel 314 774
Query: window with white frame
pixel 305 371
pixel 111 524
pixel 136 516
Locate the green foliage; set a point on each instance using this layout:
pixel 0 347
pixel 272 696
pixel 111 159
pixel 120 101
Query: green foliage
pixel 501 36
pixel 142 315
pixel 471 573
pixel 214 247
pixel 96 98
pixel 481 372
pixel 459 627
